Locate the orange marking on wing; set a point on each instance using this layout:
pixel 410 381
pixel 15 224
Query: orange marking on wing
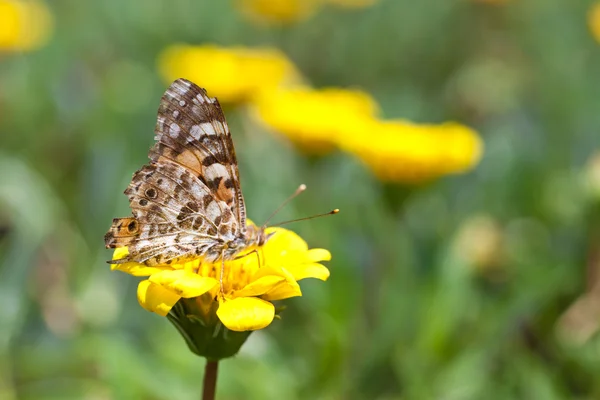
pixel 122 232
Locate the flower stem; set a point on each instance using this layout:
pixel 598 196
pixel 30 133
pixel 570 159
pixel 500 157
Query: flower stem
pixel 210 379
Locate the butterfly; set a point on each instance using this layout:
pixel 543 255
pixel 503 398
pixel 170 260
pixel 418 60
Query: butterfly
pixel 187 202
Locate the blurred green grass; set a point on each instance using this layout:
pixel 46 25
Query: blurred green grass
pixel 407 313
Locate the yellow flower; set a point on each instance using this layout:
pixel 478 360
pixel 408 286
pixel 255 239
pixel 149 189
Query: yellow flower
pixel 234 74
pixel 321 120
pixel 289 11
pixel 594 20
pixel 353 3
pixel 284 11
pixel 244 304
pixel 400 151
pixel 315 119
pixel 24 25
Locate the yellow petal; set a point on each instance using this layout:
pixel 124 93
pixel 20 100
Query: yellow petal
pixel 120 252
pixel 184 283
pixel 136 269
pixel 285 290
pixel 246 314
pixel 310 270
pixel 260 286
pixel 287 287
pixel 132 268
pixel 301 264
pixel 284 240
pixel 189 265
pixel 156 298
pixel 317 255
pixel 269 270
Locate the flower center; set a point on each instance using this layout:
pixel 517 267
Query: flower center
pixel 236 274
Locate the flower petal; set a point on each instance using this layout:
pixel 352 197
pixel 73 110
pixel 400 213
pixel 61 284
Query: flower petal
pixel 246 314
pixel 269 270
pixel 184 283
pixel 301 264
pixel 286 289
pixel 317 255
pixel 310 270
pixel 120 252
pixel 260 286
pixel 282 241
pixel 156 298
pixel 136 269
pixel 132 268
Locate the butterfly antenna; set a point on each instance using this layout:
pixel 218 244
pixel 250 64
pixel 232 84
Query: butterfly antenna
pixel 300 189
pixel 332 212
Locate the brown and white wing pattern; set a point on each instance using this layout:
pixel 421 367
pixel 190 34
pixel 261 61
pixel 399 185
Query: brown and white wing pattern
pixel 188 200
pixel 191 130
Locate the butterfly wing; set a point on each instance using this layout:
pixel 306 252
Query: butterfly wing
pixel 191 130
pixel 188 200
pixel 122 232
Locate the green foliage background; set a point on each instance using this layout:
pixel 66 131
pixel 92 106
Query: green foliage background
pixel 404 315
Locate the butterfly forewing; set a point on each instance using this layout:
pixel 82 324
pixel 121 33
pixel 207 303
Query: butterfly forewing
pixel 188 200
pixel 191 130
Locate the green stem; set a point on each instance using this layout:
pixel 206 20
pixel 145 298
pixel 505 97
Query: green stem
pixel 210 379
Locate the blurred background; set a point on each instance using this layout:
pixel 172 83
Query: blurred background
pixel 459 139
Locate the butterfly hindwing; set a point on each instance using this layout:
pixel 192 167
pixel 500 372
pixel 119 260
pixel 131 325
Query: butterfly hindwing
pixel 122 232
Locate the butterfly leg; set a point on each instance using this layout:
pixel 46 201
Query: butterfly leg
pixel 258 256
pixel 247 254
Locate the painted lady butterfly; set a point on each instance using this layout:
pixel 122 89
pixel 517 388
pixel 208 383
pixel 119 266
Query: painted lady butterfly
pixel 187 202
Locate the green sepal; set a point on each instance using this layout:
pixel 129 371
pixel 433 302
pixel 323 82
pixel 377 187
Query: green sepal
pixel 204 334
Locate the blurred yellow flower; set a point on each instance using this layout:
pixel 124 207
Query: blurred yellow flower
pixel 244 304
pixel 284 11
pixel 289 11
pixel 315 119
pixel 479 242
pixel 24 24
pixel 234 74
pixel 401 151
pixel 594 20
pixel 352 3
